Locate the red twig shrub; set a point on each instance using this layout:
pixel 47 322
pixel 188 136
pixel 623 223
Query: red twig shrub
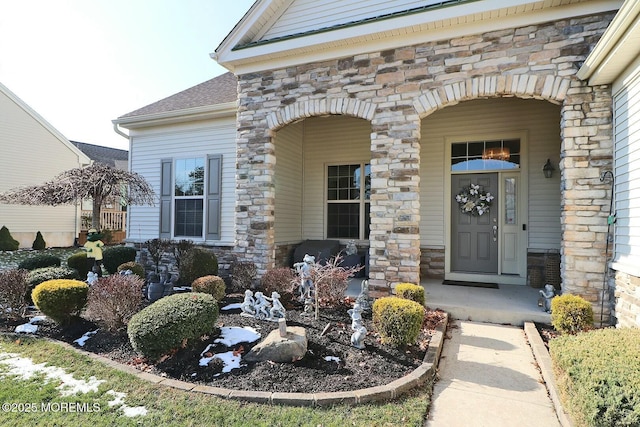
pixel 282 280
pixel 113 300
pixel 331 281
pixel 13 291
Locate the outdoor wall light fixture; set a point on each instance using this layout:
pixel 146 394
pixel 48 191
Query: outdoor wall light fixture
pixel 548 169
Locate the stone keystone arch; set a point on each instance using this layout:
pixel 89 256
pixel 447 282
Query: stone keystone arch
pixel 320 107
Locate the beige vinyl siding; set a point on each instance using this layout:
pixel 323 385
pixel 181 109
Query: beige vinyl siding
pixel 305 15
pixel 199 139
pixel 627 175
pixel 329 140
pixel 32 154
pixel 289 184
pixel 541 122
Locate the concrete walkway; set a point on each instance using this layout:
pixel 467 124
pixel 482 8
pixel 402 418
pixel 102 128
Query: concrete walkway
pixel 488 377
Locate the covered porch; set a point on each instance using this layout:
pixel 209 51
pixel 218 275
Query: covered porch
pixel 508 304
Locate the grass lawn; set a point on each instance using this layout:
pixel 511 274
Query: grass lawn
pixel 11 259
pixel 116 393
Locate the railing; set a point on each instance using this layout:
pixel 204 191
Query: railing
pixel 109 220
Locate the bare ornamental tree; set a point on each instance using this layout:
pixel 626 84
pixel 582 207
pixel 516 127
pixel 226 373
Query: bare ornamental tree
pixel 98 182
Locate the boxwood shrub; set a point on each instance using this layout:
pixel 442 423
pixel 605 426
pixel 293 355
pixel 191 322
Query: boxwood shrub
pixel 397 320
pixel 135 268
pixel 7 242
pixel 117 255
pixel 212 285
pixel 40 261
pixel 39 243
pixel 165 324
pixel 598 373
pixel 571 314
pixel 60 299
pixel 198 262
pixel 411 292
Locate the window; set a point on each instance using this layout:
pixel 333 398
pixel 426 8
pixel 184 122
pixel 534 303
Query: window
pixel 190 198
pixel 348 201
pixel 485 155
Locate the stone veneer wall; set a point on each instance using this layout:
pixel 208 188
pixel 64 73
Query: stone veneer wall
pixel 395 89
pixel 432 263
pixel 627 300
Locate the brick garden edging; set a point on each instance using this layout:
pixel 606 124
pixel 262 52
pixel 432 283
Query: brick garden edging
pixel 396 388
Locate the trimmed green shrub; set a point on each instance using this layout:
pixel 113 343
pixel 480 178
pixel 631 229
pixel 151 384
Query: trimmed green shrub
pixel 198 262
pixel 40 261
pixel 212 285
pixel 411 292
pixel 39 244
pixel 397 320
pixel 60 299
pixel 598 373
pixel 165 324
pixel 571 314
pixel 7 242
pixel 13 290
pixel 116 255
pixel 114 299
pixel 78 261
pixel 39 275
pixel 136 268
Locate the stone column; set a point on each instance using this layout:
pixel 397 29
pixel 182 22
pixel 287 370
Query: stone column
pixel 587 151
pixel 395 199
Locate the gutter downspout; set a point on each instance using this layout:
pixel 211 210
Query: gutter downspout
pixel 117 130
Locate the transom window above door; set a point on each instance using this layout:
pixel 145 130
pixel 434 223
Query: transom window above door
pixel 348 206
pixel 501 154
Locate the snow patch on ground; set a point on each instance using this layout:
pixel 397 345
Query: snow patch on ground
pixel 129 411
pixel 233 335
pixel 31 327
pixel 332 359
pixel 83 339
pixel 234 306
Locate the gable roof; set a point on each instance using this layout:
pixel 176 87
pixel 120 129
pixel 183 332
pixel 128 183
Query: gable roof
pixel 281 33
pixel 105 155
pixel 218 90
pixel 83 159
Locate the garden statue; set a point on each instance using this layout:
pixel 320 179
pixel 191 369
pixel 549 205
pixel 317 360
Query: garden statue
pixel 261 306
pixel 94 246
pixel 92 278
pixel 248 305
pixel 304 270
pixel 308 307
pixel 546 297
pixel 351 248
pixel 277 310
pixel 363 298
pixel 360 332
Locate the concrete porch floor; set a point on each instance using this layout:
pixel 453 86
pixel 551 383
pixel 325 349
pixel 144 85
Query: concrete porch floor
pixel 510 304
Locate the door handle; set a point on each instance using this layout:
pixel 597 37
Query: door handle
pixel 495 233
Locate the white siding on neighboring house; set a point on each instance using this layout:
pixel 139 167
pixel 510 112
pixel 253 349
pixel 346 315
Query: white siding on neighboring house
pixel 150 146
pixel 540 121
pixel 627 173
pixel 33 153
pixel 329 140
pixel 305 15
pixel 289 184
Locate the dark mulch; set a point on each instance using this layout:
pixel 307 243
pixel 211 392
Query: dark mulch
pixel 547 333
pixel 376 365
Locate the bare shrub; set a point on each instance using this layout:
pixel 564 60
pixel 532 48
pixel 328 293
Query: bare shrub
pixel 13 293
pixel 282 280
pixel 331 281
pixel 113 300
pixel 243 275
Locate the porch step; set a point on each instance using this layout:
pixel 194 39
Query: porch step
pixel 493 315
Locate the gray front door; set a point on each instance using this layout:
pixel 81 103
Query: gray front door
pixel 474 239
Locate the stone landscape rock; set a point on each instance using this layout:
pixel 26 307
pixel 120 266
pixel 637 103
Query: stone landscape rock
pixel 280 349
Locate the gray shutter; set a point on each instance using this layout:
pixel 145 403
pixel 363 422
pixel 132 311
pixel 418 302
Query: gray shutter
pixel 166 188
pixel 214 186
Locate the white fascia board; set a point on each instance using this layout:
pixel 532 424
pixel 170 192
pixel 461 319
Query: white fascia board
pixel 178 116
pixel 619 45
pixel 382 35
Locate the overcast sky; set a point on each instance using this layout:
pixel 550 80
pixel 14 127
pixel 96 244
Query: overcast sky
pixel 82 63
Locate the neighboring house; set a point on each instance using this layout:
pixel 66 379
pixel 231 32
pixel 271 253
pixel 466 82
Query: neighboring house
pixel 24 138
pixel 113 215
pixel 365 120
pixel 615 61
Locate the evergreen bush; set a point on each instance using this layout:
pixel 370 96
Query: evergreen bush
pixel 40 261
pixel 39 244
pixel 7 242
pixel 60 299
pixel 135 268
pixel 114 256
pixel 167 323
pixel 39 275
pixel 571 314
pixel 78 262
pixel 397 320
pixel 212 285
pixel 198 262
pixel 411 292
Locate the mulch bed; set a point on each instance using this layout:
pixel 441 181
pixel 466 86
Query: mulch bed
pixel 377 365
